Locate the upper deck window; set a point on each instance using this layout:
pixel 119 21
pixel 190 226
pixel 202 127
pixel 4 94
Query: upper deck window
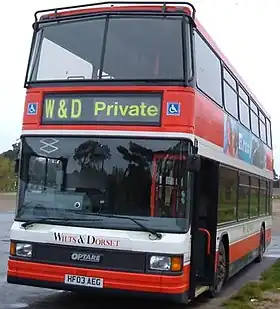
pixel 208 70
pixel 254 118
pixel 244 114
pixel 130 48
pixel 230 94
pixel 268 127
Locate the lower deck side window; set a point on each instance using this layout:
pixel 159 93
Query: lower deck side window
pixel 242 196
pixel 227 195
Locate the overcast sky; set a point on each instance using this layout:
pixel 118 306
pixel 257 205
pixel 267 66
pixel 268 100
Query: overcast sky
pixel 247 33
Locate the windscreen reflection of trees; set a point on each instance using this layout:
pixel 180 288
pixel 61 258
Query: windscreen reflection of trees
pixel 91 155
pixel 125 191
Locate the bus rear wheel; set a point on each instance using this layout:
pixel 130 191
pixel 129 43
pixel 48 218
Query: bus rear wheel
pixel 262 246
pixel 221 273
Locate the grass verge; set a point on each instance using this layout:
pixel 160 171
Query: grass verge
pixel 253 294
pixel 8 193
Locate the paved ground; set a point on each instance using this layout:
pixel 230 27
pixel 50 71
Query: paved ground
pixel 12 296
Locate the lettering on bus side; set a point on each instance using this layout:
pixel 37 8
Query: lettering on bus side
pixel 109 109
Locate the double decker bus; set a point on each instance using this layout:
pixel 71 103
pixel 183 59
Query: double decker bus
pixel 146 162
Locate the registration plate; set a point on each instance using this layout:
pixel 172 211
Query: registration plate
pixel 84 281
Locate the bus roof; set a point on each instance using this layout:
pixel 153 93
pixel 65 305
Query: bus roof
pixel 152 6
pixel 98 7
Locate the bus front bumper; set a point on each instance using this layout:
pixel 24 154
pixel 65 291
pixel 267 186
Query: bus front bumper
pixel 53 276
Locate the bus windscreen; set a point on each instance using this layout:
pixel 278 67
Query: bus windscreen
pixel 70 178
pixel 110 48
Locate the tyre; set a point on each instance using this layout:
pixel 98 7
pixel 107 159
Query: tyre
pixel 261 246
pixel 221 273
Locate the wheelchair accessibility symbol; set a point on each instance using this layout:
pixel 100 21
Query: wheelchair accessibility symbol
pixel 173 109
pixel 32 108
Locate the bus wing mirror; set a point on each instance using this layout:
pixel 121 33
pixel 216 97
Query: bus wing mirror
pixel 16 168
pixel 193 162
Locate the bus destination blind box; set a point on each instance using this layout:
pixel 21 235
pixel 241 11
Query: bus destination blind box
pixel 136 109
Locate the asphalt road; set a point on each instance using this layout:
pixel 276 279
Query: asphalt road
pixel 13 296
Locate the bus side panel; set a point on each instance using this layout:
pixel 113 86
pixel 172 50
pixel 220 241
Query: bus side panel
pixel 209 122
pixel 244 241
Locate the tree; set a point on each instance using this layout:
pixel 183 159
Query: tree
pixel 7 175
pixel 12 154
pixel 8 178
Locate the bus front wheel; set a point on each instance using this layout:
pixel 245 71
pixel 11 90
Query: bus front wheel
pixel 221 273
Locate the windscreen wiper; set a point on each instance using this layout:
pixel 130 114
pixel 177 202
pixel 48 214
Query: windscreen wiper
pixel 41 220
pixel 51 220
pixel 144 227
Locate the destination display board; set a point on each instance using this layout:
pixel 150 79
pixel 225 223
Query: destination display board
pixel 137 109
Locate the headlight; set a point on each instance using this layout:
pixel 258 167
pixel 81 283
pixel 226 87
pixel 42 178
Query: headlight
pixel 160 262
pixel 24 250
pixel 165 263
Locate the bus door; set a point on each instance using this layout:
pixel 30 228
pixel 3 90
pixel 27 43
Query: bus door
pixel 204 227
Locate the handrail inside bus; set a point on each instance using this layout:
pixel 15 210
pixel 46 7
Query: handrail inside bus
pixel 208 239
pixel 113 3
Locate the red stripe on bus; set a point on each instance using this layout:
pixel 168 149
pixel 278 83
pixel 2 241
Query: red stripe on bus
pixel 245 246
pixel 268 235
pixel 112 279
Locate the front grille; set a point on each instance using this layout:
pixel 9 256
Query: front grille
pixel 109 259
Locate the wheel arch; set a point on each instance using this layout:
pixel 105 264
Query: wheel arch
pixel 225 240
